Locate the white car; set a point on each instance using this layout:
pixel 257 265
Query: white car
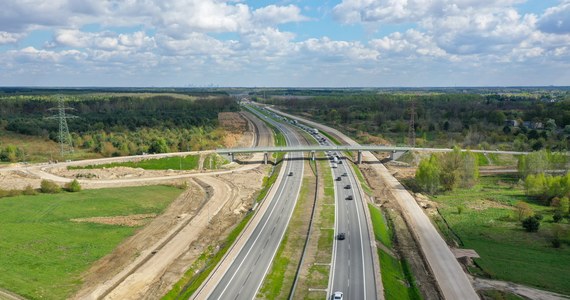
pixel 338 296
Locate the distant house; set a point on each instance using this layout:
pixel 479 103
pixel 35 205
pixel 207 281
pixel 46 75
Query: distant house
pixel 511 123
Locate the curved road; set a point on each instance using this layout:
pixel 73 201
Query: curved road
pixel 245 275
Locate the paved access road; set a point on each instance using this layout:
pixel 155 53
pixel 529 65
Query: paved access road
pixel 352 272
pixel 245 275
pixel 451 278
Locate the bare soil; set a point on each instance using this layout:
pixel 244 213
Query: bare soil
pixel 131 221
pixel 405 245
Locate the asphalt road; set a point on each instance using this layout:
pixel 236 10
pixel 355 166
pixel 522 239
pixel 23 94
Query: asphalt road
pixel 246 273
pixel 353 266
pixel 451 278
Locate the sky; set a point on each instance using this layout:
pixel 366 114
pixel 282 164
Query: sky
pixel 287 43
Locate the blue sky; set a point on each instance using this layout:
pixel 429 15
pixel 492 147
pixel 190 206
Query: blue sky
pixel 343 43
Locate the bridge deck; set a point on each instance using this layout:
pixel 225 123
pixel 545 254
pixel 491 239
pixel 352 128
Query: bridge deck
pixel 377 148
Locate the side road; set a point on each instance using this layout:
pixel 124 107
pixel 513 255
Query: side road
pixel 451 278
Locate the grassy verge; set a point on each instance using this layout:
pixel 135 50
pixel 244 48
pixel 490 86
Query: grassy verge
pixel 278 282
pixel 381 230
pixel 331 138
pixel 318 273
pixel 189 162
pixel 397 278
pixel 365 187
pixel 43 252
pixel 487 223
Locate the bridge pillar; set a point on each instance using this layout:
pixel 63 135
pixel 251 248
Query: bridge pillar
pixel 312 155
pixel 359 159
pixel 392 154
pixel 231 157
pixel 265 155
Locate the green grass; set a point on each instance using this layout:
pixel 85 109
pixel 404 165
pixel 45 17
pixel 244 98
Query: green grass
pixel 194 277
pixel 214 161
pixel 208 260
pixel 362 180
pixel 278 282
pixel 487 224
pixel 381 230
pixel 43 253
pixel 189 162
pixel 396 279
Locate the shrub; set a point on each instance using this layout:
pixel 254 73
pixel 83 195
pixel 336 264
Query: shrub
pixel 73 186
pixel 49 187
pixel 531 224
pixel 29 190
pixel 557 217
pixel 556 242
pixel 460 209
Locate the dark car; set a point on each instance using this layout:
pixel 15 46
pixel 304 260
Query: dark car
pixel 349 197
pixel 290 173
pixel 341 236
pixel 338 178
pixel 344 174
pixel 347 186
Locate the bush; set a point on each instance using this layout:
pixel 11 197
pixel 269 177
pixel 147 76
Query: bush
pixel 49 187
pixel 531 224
pixel 556 242
pixel 557 217
pixel 29 190
pixel 73 186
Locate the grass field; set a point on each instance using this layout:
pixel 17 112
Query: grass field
pixel 43 253
pixel 487 224
pixel 397 278
pixel 189 162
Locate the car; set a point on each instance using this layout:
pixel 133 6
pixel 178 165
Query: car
pixel 341 236
pixel 339 178
pixel 290 173
pixel 338 296
pixel 349 197
pixel 347 186
pixel 344 174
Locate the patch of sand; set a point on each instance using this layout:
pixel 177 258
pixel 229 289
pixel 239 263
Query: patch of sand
pixel 132 220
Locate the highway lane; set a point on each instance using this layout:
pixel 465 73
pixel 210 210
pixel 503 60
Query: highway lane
pixel 245 275
pixel 353 266
pixel 451 278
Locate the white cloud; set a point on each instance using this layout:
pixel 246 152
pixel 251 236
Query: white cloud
pixel 397 11
pixel 274 14
pixel 9 38
pixel 556 19
pixel 103 40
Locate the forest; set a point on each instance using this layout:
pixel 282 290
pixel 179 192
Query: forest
pixel 112 124
pixel 493 121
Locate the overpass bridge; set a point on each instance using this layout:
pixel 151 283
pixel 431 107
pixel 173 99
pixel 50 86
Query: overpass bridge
pixel 374 148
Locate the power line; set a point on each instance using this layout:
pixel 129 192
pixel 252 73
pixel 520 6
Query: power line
pixel 65 142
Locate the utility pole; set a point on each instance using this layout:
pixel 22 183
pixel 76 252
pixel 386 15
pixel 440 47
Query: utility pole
pixel 65 143
pixel 412 127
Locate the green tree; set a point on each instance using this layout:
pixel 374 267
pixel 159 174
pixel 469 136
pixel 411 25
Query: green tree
pixel 564 206
pixel 469 170
pixel 73 186
pixel 49 187
pixel 531 224
pixel 523 210
pixel 427 174
pixel 158 145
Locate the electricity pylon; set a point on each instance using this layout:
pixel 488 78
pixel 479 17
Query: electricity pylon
pixel 412 125
pixel 65 143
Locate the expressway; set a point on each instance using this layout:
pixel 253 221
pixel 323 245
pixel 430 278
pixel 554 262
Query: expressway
pixel 450 277
pixel 353 265
pixel 244 276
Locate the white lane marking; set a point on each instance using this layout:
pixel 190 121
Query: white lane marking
pixel 360 231
pixel 286 225
pixel 257 237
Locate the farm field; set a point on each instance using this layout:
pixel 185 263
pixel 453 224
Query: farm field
pixel 484 219
pixel 43 252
